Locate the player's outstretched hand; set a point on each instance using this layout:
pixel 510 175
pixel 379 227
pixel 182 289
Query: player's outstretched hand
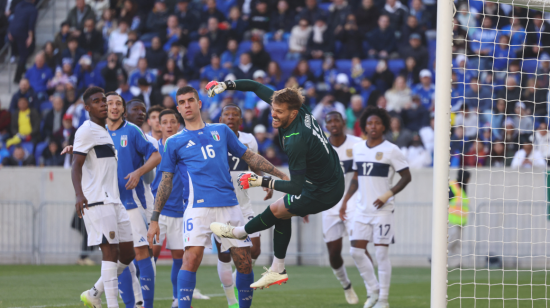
pixel 81 203
pixel 214 87
pixel 153 233
pixel 269 194
pixel 247 180
pixel 67 150
pixel 133 180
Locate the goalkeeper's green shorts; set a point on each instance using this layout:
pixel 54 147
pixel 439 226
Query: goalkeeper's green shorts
pixel 313 202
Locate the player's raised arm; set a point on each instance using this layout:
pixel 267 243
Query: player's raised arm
pixel 244 85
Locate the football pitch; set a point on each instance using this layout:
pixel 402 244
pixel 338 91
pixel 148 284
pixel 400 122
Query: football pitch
pixel 308 286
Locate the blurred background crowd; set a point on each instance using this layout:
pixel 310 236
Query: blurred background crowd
pixel 345 55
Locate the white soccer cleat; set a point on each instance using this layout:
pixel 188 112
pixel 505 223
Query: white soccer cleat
pixel 198 295
pixel 372 300
pixel 90 301
pixel 382 305
pixel 351 296
pixel 175 303
pixel 224 230
pixel 270 278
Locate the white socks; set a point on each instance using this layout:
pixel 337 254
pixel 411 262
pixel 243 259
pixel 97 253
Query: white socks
pixel 226 277
pixel 136 285
pixel 342 276
pixel 110 282
pixel 99 287
pixel 278 265
pixel 239 232
pixel 384 271
pixel 366 269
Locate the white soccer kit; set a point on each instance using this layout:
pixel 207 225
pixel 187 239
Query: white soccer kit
pixel 333 227
pixel 238 166
pixel 147 180
pixel 106 219
pixel 375 167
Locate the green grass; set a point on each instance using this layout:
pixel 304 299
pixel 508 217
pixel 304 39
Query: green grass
pixel 48 286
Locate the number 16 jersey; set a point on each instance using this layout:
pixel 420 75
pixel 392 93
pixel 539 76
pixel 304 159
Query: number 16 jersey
pixel 375 169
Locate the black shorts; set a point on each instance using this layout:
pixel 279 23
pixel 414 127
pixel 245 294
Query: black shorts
pixel 309 203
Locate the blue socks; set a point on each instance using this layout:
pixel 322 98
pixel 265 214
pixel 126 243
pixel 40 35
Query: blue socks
pixel 186 285
pixel 245 291
pixel 176 266
pixel 147 280
pixel 126 288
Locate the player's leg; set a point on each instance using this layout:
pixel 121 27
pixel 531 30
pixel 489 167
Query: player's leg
pixel 187 276
pixel 256 248
pixel 339 270
pixel 360 236
pixel 333 232
pixel 177 261
pixel 245 275
pixel 383 236
pixel 226 277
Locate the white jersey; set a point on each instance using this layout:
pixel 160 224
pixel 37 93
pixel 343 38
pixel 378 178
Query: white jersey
pixel 238 165
pixel 345 154
pixel 376 167
pixel 99 172
pixel 147 180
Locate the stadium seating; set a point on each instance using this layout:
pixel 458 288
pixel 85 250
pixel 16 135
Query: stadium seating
pixel 277 50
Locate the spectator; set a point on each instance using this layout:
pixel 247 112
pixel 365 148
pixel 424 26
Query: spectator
pixel 19 158
pixel 427 135
pixel 351 38
pixel 416 50
pixel 107 24
pixel 382 41
pixel 511 140
pixel 149 94
pixel 341 90
pixel 483 42
pixel 459 39
pixel 49 54
pixel 26 91
pixel 168 103
pixel 312 12
pixel 259 19
pixel 271 156
pixel 216 37
pixel 125 90
pixel 237 26
pixel 338 12
pixel 38 76
pixel 310 96
pixel 501 53
pixel 366 15
pixel 65 134
pixel 398 135
pixel 187 19
pixel 52 155
pixel 261 136
pixel 214 71
pixel 396 12
pixel 142 71
pixel 537 39
pixel 62 37
pixel 111 72
pixel 297 42
pixel 422 16
pixel 98 6
pixel 212 11
pixel 527 157
pixel 80 13
pixel 91 40
pixel 478 96
pixel 497 157
pixel 155 55
pixel 169 75
pixel 458 141
pixel 411 72
pixel 516 32
pixel 245 69
pixel 417 155
pixel 87 77
pixel 249 121
pixel 275 76
pixel 136 51
pixel 73 51
pixel 320 40
pixel 523 121
pixel 130 15
pixel 511 94
pixel 399 95
pixel 260 57
pixel 470 120
pixel 326 105
pixel 302 73
pixel 203 57
pixel 63 77
pixel 25 124
pixel 230 57
pixel 176 53
pixel 541 140
pixel 329 72
pixel 415 115
pixel 118 39
pixel 466 19
pixel 282 20
pixel 54 118
pixel 476 155
pixel 426 89
pixel 354 111
pixel 157 21
pixel 173 33
pixel 21 31
pixel 383 77
pixel 368 92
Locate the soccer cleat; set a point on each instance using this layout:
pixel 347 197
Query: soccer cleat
pixel 140 304
pixel 270 278
pixel 224 230
pixel 372 299
pixel 351 296
pixel 382 305
pixel 90 301
pixel 175 303
pixel 234 305
pixel 198 295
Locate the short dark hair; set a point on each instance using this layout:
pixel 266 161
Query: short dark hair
pixel 121 98
pixel 291 96
pixel 155 108
pixel 135 100
pixel 185 90
pixel 231 105
pixel 334 112
pixel 91 91
pixel 168 111
pixel 376 111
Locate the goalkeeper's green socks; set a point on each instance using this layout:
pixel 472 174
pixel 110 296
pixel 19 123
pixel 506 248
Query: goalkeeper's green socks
pixel 282 231
pixel 261 222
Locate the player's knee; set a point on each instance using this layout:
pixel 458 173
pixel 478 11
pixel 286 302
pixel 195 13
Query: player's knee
pixel 357 253
pixel 255 252
pixel 334 257
pixel 192 260
pixel 381 253
pixel 224 257
pixel 141 253
pixel 110 252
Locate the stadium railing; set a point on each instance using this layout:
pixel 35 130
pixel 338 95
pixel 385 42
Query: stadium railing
pixel 17 232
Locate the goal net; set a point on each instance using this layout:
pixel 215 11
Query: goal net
pixel 498 205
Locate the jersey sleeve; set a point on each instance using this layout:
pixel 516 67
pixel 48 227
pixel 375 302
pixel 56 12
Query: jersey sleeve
pixel 398 160
pixel 234 146
pixel 142 144
pixel 169 157
pixel 83 141
pixel 297 152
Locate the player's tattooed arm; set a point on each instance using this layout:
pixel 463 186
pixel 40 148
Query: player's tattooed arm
pixel 164 190
pixel 257 162
pixel 241 257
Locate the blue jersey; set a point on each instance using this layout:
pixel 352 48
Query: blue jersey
pixel 174 206
pixel 426 95
pixel 133 149
pixel 204 153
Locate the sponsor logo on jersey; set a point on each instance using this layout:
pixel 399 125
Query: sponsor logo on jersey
pixel 200 201
pixel 114 134
pixel 215 135
pixel 349 152
pixel 112 235
pixel 379 155
pixel 124 141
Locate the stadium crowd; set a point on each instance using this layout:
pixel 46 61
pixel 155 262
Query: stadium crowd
pixel 345 55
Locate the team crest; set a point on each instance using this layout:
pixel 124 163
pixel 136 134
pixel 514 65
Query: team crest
pixel 112 235
pixel 124 141
pixel 379 155
pixel 349 152
pixel 215 135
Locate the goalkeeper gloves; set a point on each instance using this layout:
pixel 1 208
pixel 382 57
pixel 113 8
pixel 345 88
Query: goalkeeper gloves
pixel 214 87
pixel 247 180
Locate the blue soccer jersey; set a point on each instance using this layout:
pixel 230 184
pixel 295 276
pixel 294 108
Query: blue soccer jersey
pixel 174 206
pixel 204 153
pixel 133 149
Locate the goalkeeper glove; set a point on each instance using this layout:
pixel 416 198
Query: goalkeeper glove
pixel 214 87
pixel 247 180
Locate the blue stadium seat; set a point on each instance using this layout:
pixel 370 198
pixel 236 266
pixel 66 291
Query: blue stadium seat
pixel 277 50
pixel 529 65
pixel 40 147
pixel 244 46
pixel 344 66
pixel 396 66
pixel 192 50
pixel 287 66
pixel 316 67
pixel 325 6
pixel 28 146
pixel 369 66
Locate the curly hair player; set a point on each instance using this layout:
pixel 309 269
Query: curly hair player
pixel 316 183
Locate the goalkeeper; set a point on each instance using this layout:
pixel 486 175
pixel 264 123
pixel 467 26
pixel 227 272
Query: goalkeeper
pixel 316 179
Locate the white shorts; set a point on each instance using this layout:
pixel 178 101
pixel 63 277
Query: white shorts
pixel 248 214
pixel 334 228
pixel 377 229
pixel 139 226
pixel 171 229
pixel 107 223
pixel 197 222
pixel 149 199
